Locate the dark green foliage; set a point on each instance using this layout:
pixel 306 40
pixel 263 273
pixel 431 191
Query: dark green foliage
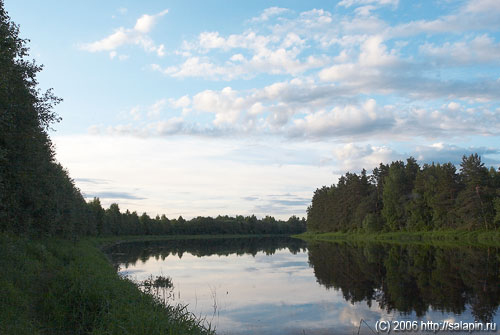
pixel 343 206
pixel 36 194
pixel 112 222
pixel 475 201
pixel 434 196
pixel 406 197
pixel 496 220
pixel 372 223
pixel 395 196
pixel 60 287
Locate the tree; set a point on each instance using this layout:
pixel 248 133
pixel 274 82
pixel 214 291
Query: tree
pixel 394 196
pixel 97 215
pixel 36 194
pixel 474 202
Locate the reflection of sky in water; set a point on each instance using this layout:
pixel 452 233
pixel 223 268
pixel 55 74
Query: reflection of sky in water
pixel 265 294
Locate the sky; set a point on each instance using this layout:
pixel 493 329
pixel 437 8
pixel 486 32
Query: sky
pixel 246 107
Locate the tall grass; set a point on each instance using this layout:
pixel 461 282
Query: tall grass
pixel 63 287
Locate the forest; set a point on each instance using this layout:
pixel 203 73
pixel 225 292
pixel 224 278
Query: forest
pixel 408 197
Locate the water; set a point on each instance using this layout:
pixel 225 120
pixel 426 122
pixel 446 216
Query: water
pixel 284 286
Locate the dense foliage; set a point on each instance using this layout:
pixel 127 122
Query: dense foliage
pixel 112 222
pixel 409 197
pixel 37 196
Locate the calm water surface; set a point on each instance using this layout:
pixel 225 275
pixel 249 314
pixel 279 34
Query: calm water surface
pixel 284 286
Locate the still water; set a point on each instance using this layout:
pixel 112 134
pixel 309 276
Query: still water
pixel 285 286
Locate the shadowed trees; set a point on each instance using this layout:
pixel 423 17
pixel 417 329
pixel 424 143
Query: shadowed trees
pixel 113 222
pixel 403 196
pixel 36 194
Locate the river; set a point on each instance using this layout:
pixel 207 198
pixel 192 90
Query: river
pixel 281 285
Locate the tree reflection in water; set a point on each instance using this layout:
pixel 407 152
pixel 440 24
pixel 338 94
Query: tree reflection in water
pixel 409 278
pixel 403 278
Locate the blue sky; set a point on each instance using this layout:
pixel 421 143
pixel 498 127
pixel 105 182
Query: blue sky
pixel 206 108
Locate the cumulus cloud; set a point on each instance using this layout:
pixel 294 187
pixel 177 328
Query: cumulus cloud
pixel 350 120
pixel 259 113
pixel 265 54
pixel 138 35
pixel 352 157
pixel 182 103
pixel 340 77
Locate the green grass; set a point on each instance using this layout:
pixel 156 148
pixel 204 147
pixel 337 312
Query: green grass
pixel 442 237
pixel 55 286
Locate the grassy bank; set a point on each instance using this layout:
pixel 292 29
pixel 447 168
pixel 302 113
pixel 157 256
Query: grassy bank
pixel 448 237
pixel 54 286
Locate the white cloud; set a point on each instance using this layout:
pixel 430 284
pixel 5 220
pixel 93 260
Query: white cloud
pixel 170 126
pixel 350 3
pixel 364 10
pixel 135 36
pixel 145 23
pixel 225 104
pixel 482 6
pixel 199 67
pixel 157 107
pixel 481 49
pixel 135 113
pixel 267 55
pixel 474 15
pixel 371 62
pixel 332 68
pixel 353 158
pixel 349 120
pixel 182 102
pixel 440 152
pixel 268 13
pixel 303 109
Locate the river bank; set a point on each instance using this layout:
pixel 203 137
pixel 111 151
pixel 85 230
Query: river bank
pixel 56 286
pixel 441 237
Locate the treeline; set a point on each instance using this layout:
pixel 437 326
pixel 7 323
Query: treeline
pixel 406 196
pixel 37 196
pixel 112 222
